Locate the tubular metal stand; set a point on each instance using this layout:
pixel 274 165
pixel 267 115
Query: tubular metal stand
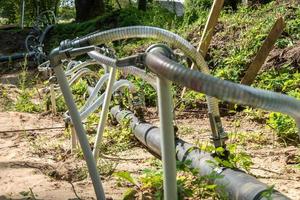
pixel 165 106
pixel 104 112
pixel 81 134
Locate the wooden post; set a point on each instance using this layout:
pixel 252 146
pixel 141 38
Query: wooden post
pixel 73 138
pixel 210 26
pixel 22 13
pixel 208 31
pixel 53 100
pixel 263 52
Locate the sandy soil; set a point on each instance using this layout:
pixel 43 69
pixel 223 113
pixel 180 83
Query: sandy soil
pixel 25 173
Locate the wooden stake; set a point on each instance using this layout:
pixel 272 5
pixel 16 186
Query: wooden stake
pixel 263 52
pixel 208 31
pixel 52 98
pixel 73 138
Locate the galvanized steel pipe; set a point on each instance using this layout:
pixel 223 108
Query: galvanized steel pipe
pixel 81 134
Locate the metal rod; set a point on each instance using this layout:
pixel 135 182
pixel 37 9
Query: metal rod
pixel 81 134
pixel 104 111
pixel 165 106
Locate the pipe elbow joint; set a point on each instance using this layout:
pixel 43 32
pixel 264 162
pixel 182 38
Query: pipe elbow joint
pixel 55 57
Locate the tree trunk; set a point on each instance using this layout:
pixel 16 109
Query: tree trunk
pixel 142 5
pixel 88 9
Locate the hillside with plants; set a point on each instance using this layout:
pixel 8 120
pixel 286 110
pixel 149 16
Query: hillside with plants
pixel 35 142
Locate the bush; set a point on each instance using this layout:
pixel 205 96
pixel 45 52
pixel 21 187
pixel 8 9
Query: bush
pixel 25 104
pixel 10 9
pixel 66 13
pixel 284 125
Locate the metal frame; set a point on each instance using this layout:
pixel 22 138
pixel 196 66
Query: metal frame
pixel 104 111
pixel 165 106
pixel 158 61
pixel 81 134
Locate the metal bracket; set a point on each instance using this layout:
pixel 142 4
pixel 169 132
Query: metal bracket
pixel 219 136
pixel 135 60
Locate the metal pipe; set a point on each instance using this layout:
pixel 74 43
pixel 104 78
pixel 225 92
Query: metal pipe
pixel 102 59
pixel 84 113
pixel 22 13
pixel 81 134
pixel 167 138
pixel 17 56
pixel 73 138
pixel 95 91
pixel 165 107
pixel 71 64
pixel 77 66
pixel 235 183
pixel 104 111
pixel 80 73
pixel 155 33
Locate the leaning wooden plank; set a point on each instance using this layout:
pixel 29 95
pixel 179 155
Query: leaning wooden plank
pixel 263 52
pixel 208 31
pixel 210 26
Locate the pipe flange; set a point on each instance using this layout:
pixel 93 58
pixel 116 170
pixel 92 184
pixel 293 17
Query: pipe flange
pixel 164 49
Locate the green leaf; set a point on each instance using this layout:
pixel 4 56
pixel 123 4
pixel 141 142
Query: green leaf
pixel 125 176
pixel 129 194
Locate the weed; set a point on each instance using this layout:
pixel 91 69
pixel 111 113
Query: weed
pixel 185 130
pixel 189 184
pixel 106 167
pixel 28 194
pixel 268 193
pixel 232 157
pixel 236 159
pixel 191 99
pixel 60 104
pixel 117 139
pixel 283 125
pixel 255 114
pixel 92 122
pixel 243 138
pixel 5 100
pixel 24 101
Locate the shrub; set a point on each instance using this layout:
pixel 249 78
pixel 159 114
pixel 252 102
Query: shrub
pixel 284 125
